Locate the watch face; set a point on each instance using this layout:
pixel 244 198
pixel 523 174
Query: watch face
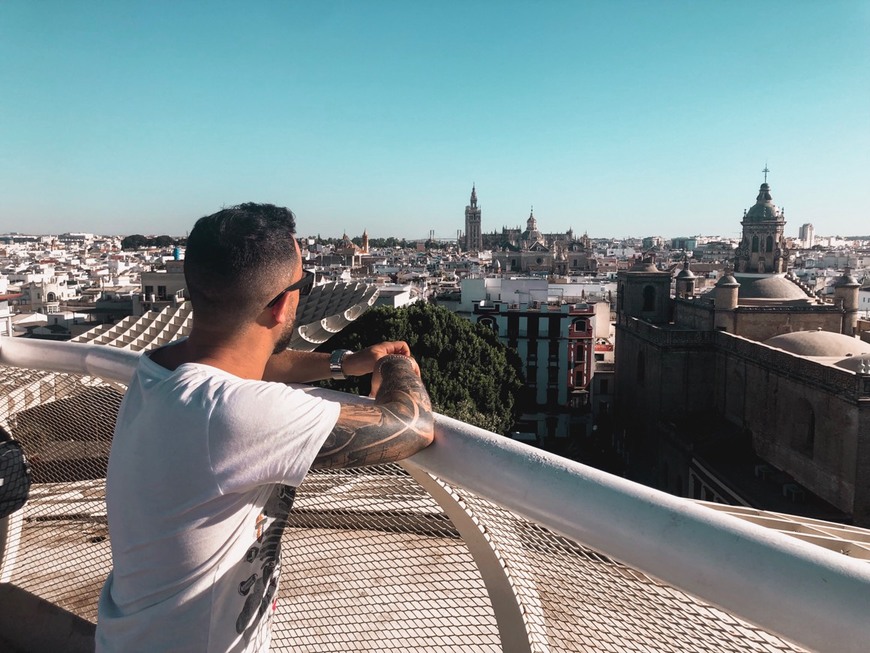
pixel 335 361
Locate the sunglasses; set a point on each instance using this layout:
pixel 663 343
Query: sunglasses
pixel 304 286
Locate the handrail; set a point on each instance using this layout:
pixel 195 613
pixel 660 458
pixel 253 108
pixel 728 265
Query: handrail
pixel 110 363
pixel 804 593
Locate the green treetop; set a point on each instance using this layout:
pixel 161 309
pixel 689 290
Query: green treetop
pixel 470 375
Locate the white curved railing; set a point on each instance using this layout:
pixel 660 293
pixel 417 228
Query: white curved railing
pixel 808 595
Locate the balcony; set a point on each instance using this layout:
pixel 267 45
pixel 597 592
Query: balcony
pixel 478 543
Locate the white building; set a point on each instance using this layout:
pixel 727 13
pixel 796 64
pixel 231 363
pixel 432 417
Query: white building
pixel 554 338
pixel 864 300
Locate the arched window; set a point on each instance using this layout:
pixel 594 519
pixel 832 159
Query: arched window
pixel 803 429
pixel 769 247
pixel 755 243
pixel 578 325
pixel 489 323
pixel 649 298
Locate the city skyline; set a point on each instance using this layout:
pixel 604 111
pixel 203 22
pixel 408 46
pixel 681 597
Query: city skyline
pixel 618 119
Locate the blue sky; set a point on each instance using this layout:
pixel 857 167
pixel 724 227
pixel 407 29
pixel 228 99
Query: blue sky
pixel 615 118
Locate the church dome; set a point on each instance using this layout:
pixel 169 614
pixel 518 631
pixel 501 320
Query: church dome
pixel 532 234
pixel 770 287
pixel 846 281
pixel 855 363
pixel 819 343
pixel 686 274
pixel 764 209
pixel 727 281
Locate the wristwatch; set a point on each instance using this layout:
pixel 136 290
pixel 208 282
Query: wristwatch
pixel 336 362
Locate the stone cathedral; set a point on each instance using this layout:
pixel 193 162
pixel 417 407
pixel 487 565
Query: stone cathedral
pixel 529 251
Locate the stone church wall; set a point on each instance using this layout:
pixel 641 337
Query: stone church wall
pixel 761 323
pixel 675 376
pixel 693 314
pixel 804 416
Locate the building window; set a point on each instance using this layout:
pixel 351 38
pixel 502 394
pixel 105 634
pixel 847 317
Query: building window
pixel 532 327
pixel 489 323
pixel 513 328
pixel 649 298
pixel 803 432
pixel 161 292
pixel 553 375
pixel 755 243
pixel 769 247
pixel 554 350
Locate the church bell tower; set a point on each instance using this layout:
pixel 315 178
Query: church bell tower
pixel 473 234
pixel 763 248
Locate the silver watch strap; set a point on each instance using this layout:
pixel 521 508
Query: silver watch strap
pixel 336 363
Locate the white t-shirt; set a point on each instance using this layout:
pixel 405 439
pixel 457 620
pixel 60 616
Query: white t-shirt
pixel 201 477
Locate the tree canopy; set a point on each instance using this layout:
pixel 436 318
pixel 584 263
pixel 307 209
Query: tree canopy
pixel 136 241
pixel 470 374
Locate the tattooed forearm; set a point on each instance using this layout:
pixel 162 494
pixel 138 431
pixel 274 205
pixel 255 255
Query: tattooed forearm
pixel 399 378
pixel 397 425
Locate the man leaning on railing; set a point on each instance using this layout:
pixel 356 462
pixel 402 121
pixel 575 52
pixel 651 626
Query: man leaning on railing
pixel 210 444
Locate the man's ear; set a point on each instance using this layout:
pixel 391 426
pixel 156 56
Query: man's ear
pixel 282 311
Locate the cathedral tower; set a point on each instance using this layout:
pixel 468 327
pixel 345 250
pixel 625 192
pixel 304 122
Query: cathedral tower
pixel 763 248
pixel 473 234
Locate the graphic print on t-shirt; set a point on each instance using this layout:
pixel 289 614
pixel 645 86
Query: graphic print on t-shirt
pixel 264 558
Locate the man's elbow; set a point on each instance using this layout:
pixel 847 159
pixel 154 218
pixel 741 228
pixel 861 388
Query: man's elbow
pixel 419 435
pixel 427 429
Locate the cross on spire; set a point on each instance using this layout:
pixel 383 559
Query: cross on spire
pixel 765 171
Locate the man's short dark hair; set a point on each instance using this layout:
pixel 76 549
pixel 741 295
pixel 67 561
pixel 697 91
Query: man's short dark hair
pixel 238 258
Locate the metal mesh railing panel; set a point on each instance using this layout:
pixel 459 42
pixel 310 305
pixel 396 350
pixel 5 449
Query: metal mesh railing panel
pixel 64 424
pixel 576 599
pixel 372 550
pixel 369 560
